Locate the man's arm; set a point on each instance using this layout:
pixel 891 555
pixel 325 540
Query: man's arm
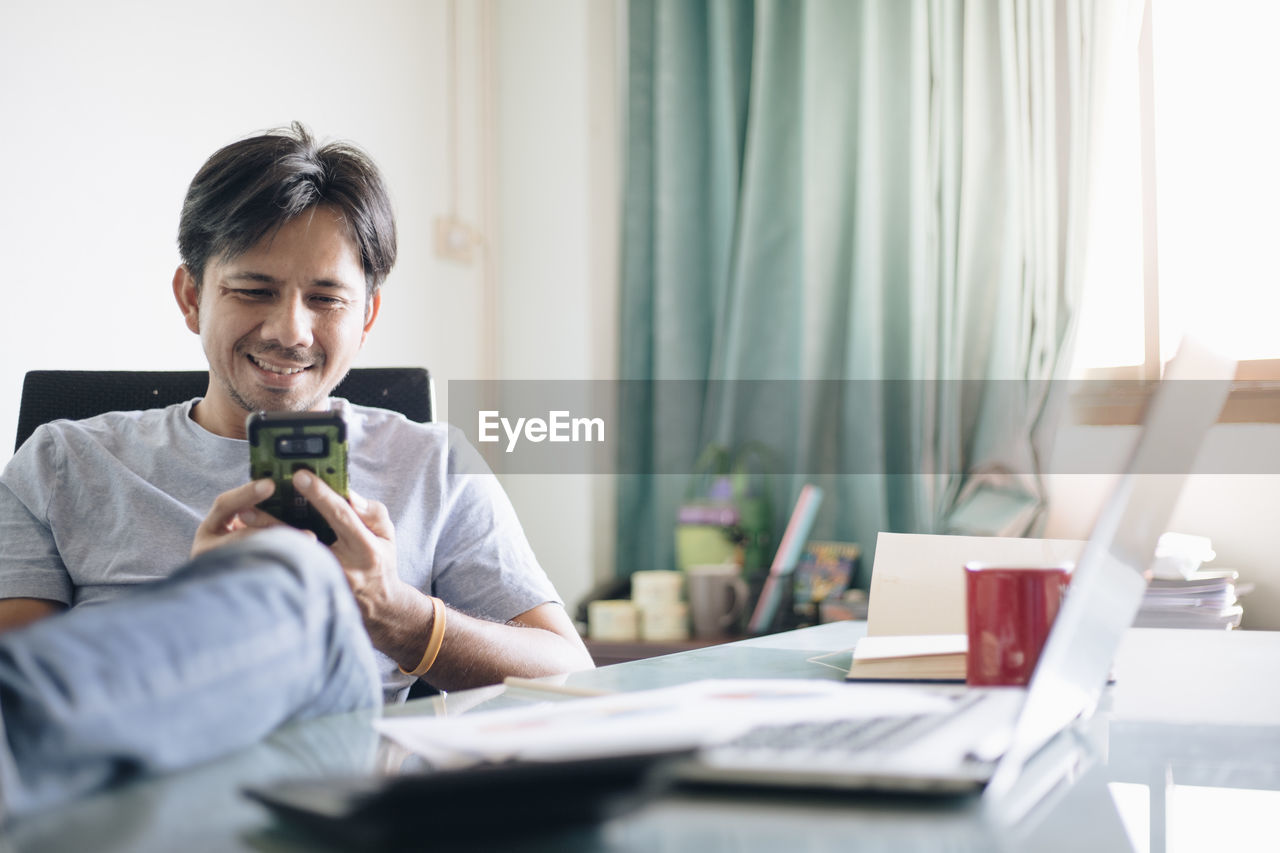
pixel 399 618
pixel 20 612
pixel 475 652
pixel 34 582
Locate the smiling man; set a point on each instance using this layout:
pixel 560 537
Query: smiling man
pixel 137 571
pixel 281 322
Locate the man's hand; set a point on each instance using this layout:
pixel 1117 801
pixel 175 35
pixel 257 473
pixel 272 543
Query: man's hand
pixel 234 515
pixel 400 618
pixel 366 549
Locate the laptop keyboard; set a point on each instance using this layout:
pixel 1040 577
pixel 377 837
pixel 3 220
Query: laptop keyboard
pixel 845 736
pixel 842 735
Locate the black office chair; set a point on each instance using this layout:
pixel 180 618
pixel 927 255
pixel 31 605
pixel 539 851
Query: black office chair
pixel 51 394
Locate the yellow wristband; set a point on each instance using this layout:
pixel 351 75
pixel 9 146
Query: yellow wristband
pixel 434 643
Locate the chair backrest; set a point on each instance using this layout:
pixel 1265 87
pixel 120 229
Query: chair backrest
pixel 52 394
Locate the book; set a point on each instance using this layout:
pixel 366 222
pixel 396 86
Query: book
pixel 917 579
pixel 785 559
pixel 912 657
pixel 917 591
pixel 826 571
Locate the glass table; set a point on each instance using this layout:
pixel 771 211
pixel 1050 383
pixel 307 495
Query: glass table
pixel 1183 754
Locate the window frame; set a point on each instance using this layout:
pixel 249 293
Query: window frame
pixel 1118 395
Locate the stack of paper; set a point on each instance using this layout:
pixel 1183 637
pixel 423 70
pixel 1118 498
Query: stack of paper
pixel 1200 600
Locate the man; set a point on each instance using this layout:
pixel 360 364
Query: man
pixel 284 245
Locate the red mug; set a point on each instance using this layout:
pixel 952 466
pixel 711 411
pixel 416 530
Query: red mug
pixel 1010 610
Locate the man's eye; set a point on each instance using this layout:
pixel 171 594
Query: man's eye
pixel 252 293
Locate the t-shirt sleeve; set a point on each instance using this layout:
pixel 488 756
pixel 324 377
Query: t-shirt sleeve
pixel 30 564
pixel 484 564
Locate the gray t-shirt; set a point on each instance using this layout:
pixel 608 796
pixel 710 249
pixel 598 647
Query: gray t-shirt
pixel 88 508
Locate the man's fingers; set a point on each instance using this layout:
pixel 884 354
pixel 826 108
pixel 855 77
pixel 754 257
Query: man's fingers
pixel 335 510
pixel 233 516
pixel 237 501
pixel 373 513
pixel 258 519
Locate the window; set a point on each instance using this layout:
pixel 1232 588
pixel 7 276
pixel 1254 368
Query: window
pixel 1187 198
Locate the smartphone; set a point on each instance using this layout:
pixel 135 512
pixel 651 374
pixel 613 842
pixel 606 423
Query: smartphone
pixel 281 443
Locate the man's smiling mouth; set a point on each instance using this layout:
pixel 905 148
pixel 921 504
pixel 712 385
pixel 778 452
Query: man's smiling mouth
pixel 281 371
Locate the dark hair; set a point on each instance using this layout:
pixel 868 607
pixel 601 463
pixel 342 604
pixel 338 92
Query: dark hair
pixel 250 188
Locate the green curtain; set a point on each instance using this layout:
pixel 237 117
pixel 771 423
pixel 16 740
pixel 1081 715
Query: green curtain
pixel 852 191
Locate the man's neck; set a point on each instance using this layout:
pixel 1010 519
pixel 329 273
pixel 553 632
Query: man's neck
pixel 209 418
pixel 221 416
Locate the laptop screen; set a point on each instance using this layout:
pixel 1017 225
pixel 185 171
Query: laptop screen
pixel 1108 582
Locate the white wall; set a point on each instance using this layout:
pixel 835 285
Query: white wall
pixel 557 223
pixel 1237 511
pixel 110 108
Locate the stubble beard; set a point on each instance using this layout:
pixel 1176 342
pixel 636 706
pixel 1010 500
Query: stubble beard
pixel 283 401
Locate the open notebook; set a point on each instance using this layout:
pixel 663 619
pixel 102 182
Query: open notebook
pixel 916 621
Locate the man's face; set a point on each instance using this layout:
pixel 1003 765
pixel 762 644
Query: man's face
pixel 281 323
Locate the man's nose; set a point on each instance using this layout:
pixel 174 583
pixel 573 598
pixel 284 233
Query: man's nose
pixel 288 323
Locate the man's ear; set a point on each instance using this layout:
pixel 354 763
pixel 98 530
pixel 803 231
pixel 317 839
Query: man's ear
pixel 371 313
pixel 188 296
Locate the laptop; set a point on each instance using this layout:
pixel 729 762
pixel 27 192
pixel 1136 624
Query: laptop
pixel 989 735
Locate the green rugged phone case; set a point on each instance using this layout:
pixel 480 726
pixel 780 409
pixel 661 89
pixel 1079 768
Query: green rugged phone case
pixel 281 443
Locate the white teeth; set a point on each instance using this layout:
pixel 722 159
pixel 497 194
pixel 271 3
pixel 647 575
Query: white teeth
pixel 271 368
